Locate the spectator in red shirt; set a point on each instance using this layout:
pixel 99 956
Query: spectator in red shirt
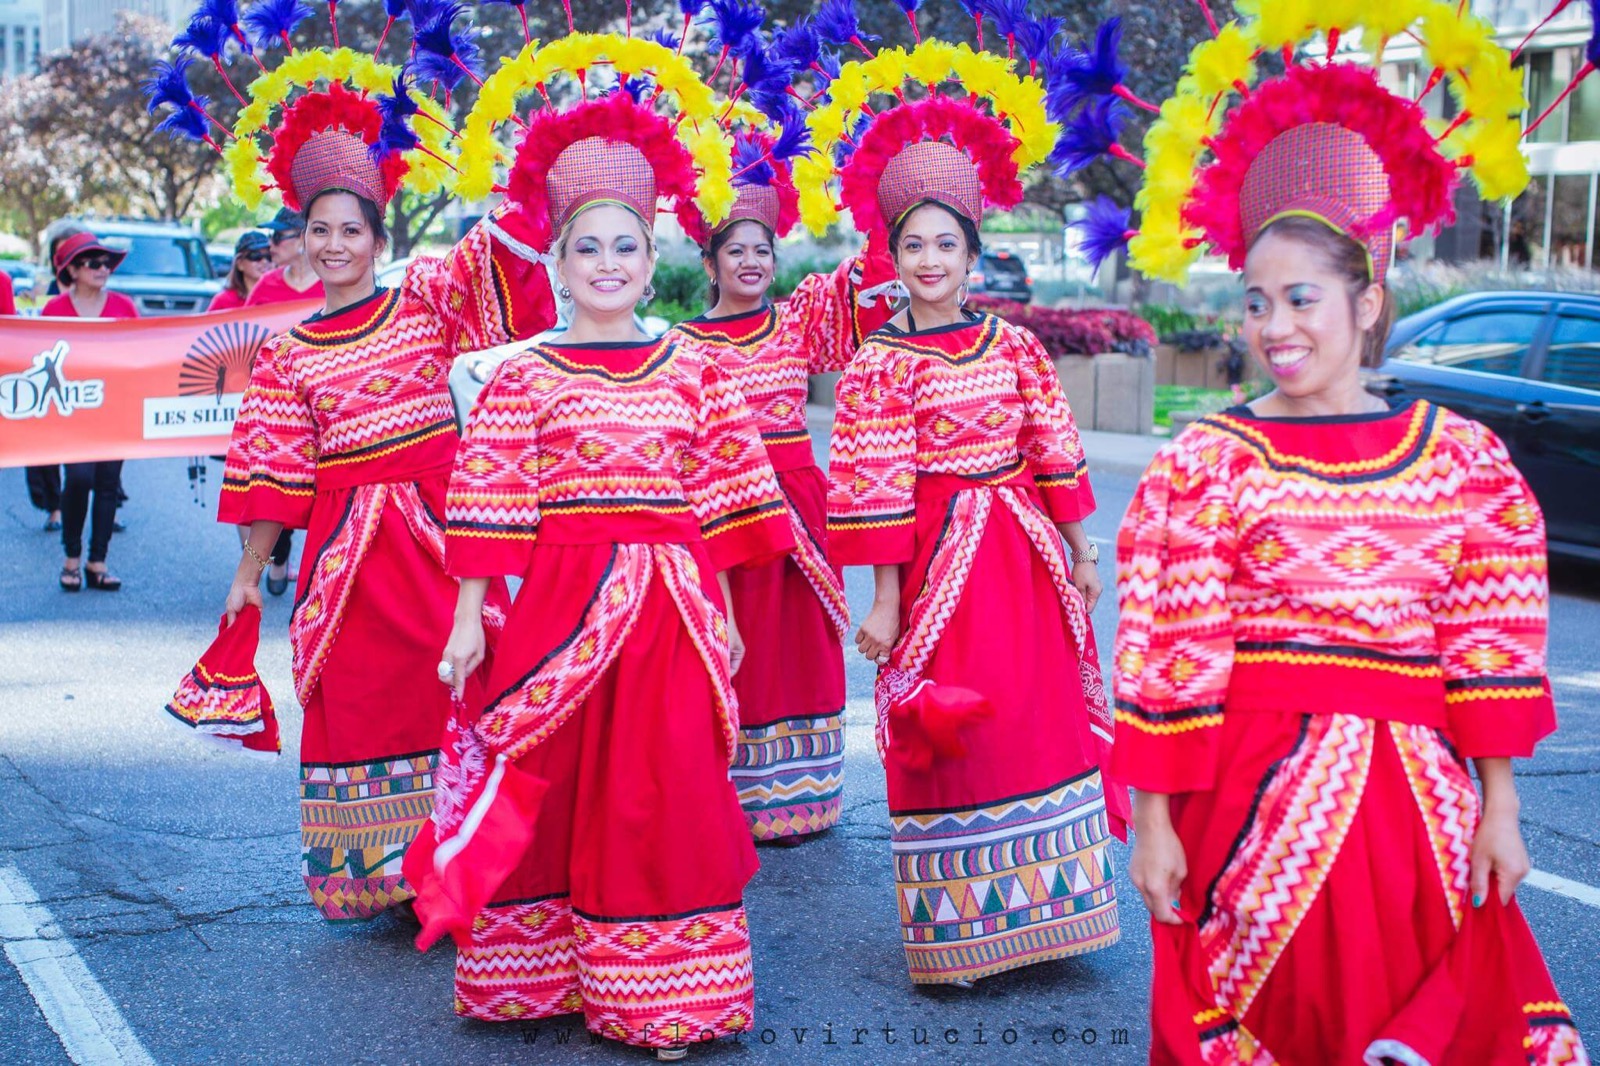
pixel 252 260
pixel 293 279
pixel 83 265
pixel 8 299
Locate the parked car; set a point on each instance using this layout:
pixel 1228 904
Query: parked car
pixel 1527 365
pixel 221 255
pixel 167 271
pixel 22 274
pixel 1001 274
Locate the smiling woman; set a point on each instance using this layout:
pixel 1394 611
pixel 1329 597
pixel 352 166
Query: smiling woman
pixel 347 430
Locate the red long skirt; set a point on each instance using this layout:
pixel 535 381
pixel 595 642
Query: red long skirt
pixel 374 721
pixel 790 768
pixel 627 903
pixel 1001 856
pixel 1327 915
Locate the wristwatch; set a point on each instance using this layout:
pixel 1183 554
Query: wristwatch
pixel 1091 554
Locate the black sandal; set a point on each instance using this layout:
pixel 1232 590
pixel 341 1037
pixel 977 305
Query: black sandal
pixel 99 579
pixel 71 579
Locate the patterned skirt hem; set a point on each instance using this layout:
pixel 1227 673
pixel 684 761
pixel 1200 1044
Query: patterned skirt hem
pixel 1017 962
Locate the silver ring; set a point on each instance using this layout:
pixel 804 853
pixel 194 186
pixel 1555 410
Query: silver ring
pixel 446 671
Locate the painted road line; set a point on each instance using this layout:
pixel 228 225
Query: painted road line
pixel 87 1023
pixel 1561 886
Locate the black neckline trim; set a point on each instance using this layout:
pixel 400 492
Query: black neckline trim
pixel 976 319
pixel 705 319
pixel 595 346
pixel 377 294
pixel 1243 411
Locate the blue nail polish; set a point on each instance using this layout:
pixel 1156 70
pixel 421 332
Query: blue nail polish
pixel 1176 905
pixel 1477 901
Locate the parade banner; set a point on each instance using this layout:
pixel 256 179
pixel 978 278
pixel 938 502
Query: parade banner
pixel 76 390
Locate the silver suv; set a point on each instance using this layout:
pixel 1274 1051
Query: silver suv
pixel 167 271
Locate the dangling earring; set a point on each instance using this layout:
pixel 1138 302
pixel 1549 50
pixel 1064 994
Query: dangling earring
pixel 964 294
pixel 563 293
pixel 649 292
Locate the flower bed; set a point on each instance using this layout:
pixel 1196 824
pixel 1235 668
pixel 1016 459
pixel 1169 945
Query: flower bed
pixel 1066 332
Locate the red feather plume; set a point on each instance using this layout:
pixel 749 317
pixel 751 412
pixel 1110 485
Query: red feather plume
pixel 614 117
pixel 337 108
pixel 1421 180
pixel 983 138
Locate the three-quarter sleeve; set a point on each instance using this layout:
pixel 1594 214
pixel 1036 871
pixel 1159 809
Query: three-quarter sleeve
pixel 827 315
pixel 492 506
pixel 728 480
pixel 1049 440
pixel 872 463
pixel 486 290
pixel 1491 619
pixel 1175 640
pixel 270 472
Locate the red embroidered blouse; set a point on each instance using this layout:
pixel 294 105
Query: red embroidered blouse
pixel 362 396
pixel 977 400
pixel 595 443
pixel 1391 566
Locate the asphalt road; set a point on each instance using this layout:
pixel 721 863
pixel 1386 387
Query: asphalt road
pixel 168 881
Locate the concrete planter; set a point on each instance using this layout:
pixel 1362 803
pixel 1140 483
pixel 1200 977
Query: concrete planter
pixel 822 388
pixel 1182 420
pixel 1124 393
pixel 1078 383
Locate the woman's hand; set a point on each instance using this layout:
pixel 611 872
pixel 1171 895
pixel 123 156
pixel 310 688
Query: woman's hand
pixel 735 647
pixel 464 651
pixel 1498 849
pixel 1086 579
pixel 241 593
pixel 878 633
pixel 1158 867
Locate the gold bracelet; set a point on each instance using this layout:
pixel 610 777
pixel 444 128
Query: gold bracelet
pixel 250 551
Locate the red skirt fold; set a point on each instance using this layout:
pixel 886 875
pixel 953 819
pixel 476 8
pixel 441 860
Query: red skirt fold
pixel 626 904
pixel 790 767
pixel 1365 946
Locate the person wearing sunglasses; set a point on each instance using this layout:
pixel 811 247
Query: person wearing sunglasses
pixel 292 278
pixel 83 266
pixel 252 260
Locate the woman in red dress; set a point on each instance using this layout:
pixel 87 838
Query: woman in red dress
pixel 347 430
pixel 252 258
pixel 587 851
pixel 790 768
pixel 83 265
pixel 1329 609
pixel 957 472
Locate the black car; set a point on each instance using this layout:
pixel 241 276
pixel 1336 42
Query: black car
pixel 1527 365
pixel 1003 275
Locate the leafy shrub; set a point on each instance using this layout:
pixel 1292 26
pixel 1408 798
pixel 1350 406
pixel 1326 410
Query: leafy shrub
pixel 1067 332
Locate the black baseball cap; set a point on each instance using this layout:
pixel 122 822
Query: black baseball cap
pixel 251 240
pixel 284 222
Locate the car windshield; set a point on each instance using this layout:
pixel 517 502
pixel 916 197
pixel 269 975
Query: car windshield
pixel 180 257
pixel 1008 265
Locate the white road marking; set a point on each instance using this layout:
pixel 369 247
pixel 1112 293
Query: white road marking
pixel 1589 680
pixel 1562 886
pixel 84 1018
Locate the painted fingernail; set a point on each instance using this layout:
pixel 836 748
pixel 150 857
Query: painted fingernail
pixel 1176 905
pixel 1477 900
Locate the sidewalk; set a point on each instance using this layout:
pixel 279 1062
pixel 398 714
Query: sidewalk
pixel 1115 453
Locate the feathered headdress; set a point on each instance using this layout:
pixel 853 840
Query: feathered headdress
pixel 1325 139
pixel 967 143
pixel 767 131
pixel 644 131
pixel 353 123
